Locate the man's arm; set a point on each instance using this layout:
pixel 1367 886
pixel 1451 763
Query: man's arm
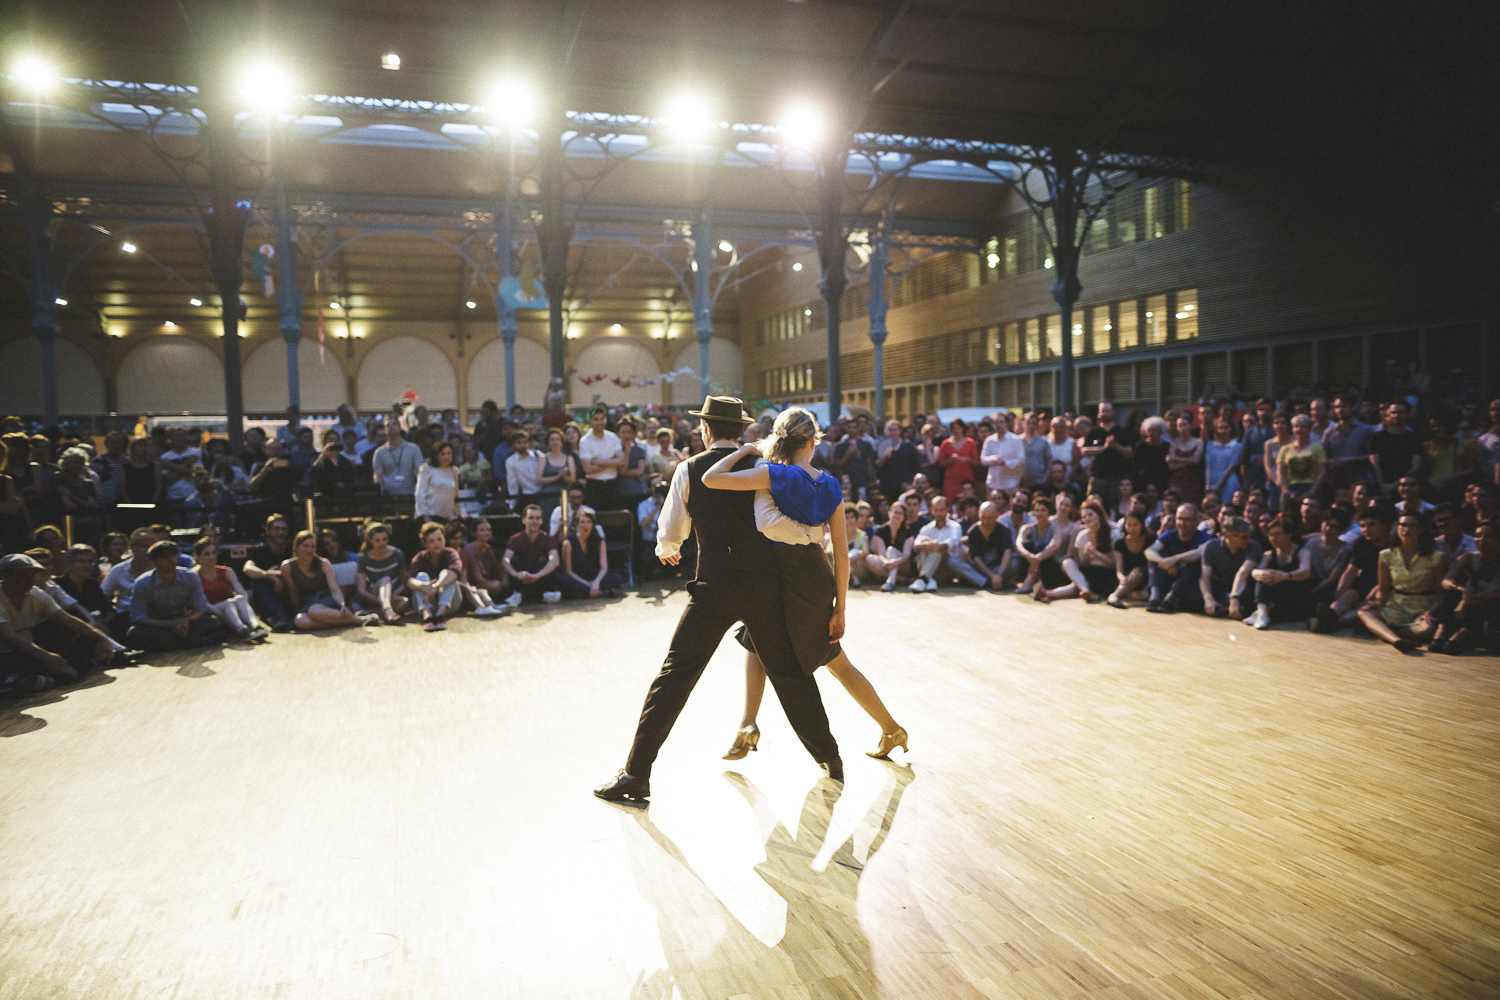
pixel 46 658
pixel 673 525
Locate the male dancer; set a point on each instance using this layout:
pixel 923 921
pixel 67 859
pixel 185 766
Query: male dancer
pixel 736 581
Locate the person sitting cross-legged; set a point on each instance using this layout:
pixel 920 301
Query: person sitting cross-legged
pixel 1132 569
pixel 1090 562
pixel 315 591
pixel 891 548
pixel 988 550
pixel 1362 574
pixel 531 558
pixel 938 541
pixel 1223 589
pixel 1283 584
pixel 1475 580
pixel 1410 587
pixel 1039 543
pixel 168 610
pixel 433 579
pixel 40 643
pixel 1174 558
pixel 585 561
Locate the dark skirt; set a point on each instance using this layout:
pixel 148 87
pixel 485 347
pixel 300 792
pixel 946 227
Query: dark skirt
pixel 808 592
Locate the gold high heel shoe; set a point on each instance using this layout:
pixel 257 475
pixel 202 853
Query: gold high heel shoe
pixel 889 742
pixel 744 741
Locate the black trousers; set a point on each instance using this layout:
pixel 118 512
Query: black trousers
pixel 713 610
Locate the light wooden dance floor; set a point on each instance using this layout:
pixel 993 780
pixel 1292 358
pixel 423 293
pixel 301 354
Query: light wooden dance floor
pixel 1097 804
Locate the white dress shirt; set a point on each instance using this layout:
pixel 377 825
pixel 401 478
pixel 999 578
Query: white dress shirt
pixel 1006 456
pixel 674 525
pixel 520 473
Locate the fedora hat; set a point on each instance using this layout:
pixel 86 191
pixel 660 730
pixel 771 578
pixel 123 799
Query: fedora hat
pixel 724 408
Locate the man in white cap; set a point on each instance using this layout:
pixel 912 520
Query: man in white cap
pixel 27 664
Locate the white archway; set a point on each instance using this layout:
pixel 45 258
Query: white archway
pixel 616 357
pixel 724 370
pixel 322 385
pixel 402 363
pixel 487 373
pixel 80 385
pixel 167 374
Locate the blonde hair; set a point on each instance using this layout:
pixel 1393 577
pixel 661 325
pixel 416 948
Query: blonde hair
pixel 793 431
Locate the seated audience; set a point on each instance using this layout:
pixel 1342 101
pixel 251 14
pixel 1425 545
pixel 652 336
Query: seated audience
pixel 268 593
pixel 226 597
pixel 484 574
pixel 1411 575
pixel 275 479
pixel 333 473
pixel 314 591
pixel 1451 540
pixel 1472 615
pixel 1090 561
pixel 1283 580
pixel 1039 544
pixel 380 574
pixel 41 645
pixel 433 579
pixel 891 548
pixel 168 610
pixel 938 542
pixel 396 463
pixel 1327 558
pixel 859 543
pixel 585 561
pixel 531 558
pixel 1174 558
pixel 1132 569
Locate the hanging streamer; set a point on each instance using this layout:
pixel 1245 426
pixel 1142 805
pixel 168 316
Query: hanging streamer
pixel 322 357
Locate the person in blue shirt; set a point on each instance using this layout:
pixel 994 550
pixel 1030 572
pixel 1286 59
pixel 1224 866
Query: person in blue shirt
pixel 796 503
pixel 1174 559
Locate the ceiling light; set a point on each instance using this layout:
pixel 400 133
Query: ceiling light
pixel 512 101
pixel 128 247
pixel 658 333
pixel 801 125
pixel 616 328
pixel 196 302
pixel 726 247
pixel 471 304
pixel 334 305
pixel 1181 315
pixel 689 115
pixel 797 266
pixel 35 73
pixel 117 331
pixel 264 85
pixel 994 260
pixel 63 302
pixel 169 323
pixel 807 312
pixel 390 61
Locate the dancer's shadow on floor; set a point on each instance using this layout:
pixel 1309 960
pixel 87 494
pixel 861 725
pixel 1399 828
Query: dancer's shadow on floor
pixel 823 951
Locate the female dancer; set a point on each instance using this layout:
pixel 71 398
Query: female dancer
pixel 813 591
pixel 226 597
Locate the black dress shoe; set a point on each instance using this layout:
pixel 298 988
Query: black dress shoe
pixel 625 786
pixel 833 769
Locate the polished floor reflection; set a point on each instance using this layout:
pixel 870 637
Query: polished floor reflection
pixel 1097 804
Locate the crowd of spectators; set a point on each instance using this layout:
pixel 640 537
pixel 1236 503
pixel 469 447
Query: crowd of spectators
pixel 1365 509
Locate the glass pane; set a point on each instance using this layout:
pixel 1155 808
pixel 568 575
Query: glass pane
pixel 993 346
pixel 1012 344
pixel 1128 333
pixel 1077 332
pixel 1012 256
pixel 1033 342
pixel 1155 217
pixel 1100 332
pixel 1156 320
pixel 1187 314
pixel 1184 205
pixel 1054 336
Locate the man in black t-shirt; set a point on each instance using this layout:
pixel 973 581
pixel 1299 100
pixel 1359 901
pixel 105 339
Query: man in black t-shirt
pixel 988 548
pixel 1112 449
pixel 1363 571
pixel 263 567
pixel 1394 450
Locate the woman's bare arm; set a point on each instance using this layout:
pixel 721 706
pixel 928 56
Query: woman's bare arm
pixel 719 476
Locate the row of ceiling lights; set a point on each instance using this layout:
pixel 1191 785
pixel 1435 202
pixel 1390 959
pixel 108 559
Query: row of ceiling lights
pixel 267 86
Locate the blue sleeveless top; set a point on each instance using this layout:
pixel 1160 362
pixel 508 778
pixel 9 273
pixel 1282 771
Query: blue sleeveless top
pixel 803 498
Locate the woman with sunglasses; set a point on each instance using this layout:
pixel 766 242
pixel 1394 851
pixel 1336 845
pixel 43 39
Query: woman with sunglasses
pixel 1409 588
